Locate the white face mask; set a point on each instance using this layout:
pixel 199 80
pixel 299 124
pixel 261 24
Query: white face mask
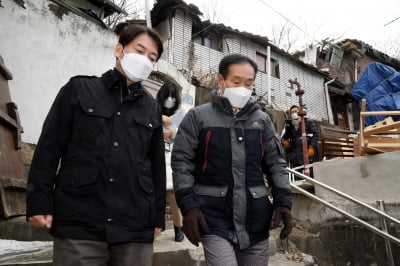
pixel 137 67
pixel 237 96
pixel 294 116
pixel 169 102
pixel 295 119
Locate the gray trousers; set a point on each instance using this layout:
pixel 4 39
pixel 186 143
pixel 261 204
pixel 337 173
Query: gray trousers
pixel 220 252
pixel 73 252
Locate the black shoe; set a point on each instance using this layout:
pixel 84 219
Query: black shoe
pixel 179 235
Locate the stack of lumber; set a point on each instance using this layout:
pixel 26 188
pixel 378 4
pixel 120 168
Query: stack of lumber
pixel 336 143
pixel 383 136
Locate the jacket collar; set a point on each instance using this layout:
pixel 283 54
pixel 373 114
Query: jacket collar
pixel 113 79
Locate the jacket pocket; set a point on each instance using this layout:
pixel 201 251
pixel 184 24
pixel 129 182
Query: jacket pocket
pixel 213 191
pixel 146 183
pixel 89 120
pixel 77 194
pixel 259 213
pixel 214 203
pixel 145 127
pixel 76 178
pixel 147 206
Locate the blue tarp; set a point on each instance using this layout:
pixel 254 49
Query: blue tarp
pixel 379 84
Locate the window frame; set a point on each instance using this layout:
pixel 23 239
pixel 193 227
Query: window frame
pixel 261 60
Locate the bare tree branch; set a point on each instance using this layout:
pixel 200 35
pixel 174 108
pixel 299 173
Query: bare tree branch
pixel 213 12
pixel 283 36
pixel 132 7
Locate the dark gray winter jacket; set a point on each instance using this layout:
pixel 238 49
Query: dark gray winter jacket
pixel 219 161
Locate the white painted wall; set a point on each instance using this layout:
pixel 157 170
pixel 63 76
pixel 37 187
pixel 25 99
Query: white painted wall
pixel 43 51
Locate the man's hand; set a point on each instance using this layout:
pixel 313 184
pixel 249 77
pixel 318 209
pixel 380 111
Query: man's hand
pixel 283 214
pixel 191 222
pixel 166 121
pixel 286 143
pixel 167 133
pixel 157 231
pixel 311 151
pixel 41 220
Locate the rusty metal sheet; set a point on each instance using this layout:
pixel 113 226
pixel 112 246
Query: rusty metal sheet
pixel 12 176
pixel 12 171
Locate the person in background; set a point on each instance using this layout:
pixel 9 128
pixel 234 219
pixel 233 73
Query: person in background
pixel 169 99
pixel 221 152
pixel 292 141
pixel 97 178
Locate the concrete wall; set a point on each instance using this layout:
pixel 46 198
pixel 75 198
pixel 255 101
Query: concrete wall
pixel 43 50
pixel 367 178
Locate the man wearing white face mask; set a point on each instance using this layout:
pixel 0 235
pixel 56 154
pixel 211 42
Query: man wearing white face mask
pixel 292 139
pixel 97 179
pixel 222 151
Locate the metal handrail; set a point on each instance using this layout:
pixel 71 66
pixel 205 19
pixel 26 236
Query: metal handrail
pixel 355 219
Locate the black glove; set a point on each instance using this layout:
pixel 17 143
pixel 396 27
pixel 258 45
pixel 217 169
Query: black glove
pixel 283 214
pixel 191 221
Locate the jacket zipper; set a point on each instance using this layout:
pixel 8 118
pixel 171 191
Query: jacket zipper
pixel 208 136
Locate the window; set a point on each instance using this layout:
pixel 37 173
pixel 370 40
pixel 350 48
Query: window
pixel 210 41
pixel 261 61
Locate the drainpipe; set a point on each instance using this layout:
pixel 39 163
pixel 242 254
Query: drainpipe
pixel 269 75
pixel 148 18
pixel 328 102
pixel 355 70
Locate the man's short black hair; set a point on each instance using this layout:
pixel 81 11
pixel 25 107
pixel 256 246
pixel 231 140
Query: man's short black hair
pixel 130 32
pixel 235 59
pixel 293 106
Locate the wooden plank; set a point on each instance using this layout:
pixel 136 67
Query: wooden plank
pixel 393 141
pixel 13 202
pixel 384 144
pixel 370 150
pixel 343 140
pixel 374 146
pixel 331 151
pixel 387 120
pixel 13 183
pixel 4 70
pixel 381 129
pixel 357 147
pixel 7 120
pixel 376 113
pixel 339 144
